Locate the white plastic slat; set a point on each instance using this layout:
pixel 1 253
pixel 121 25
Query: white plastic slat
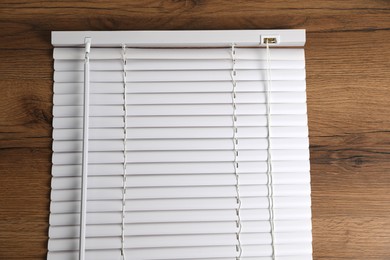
pixel 290 257
pixel 95 243
pixel 107 193
pixel 179 54
pixel 112 65
pixel 194 98
pixel 180 228
pixel 71 219
pixel 183 168
pixel 136 181
pixel 179 204
pixel 71 244
pixel 189 110
pixel 181 121
pixel 179 87
pixel 291 252
pixel 114 180
pixel 169 76
pixel 180 192
pixel 181 133
pixel 182 156
pixel 181 144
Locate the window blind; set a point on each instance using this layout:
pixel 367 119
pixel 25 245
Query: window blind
pixel 197 146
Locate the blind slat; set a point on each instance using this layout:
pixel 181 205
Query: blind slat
pixel 292 252
pixel 173 98
pixel 178 54
pixel 184 168
pixel 180 228
pixel 180 87
pixel 181 121
pixel 182 133
pixel 181 144
pixel 112 65
pixel 172 76
pixel 180 110
pixel 220 191
pixel 70 219
pixel 181 156
pixel 71 244
pixel 180 204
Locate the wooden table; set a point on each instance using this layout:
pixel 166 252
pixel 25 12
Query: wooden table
pixel 348 62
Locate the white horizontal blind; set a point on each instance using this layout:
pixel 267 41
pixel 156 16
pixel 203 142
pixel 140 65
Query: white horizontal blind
pixel 188 143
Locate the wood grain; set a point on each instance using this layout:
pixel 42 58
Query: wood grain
pixel 348 61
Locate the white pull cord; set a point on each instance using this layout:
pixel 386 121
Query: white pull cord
pixel 124 60
pixel 84 167
pixel 235 150
pixel 269 159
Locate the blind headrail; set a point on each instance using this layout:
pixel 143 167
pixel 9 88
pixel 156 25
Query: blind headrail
pixel 212 38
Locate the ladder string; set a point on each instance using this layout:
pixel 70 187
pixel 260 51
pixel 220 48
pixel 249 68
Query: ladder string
pixel 269 158
pixel 124 60
pixel 236 154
